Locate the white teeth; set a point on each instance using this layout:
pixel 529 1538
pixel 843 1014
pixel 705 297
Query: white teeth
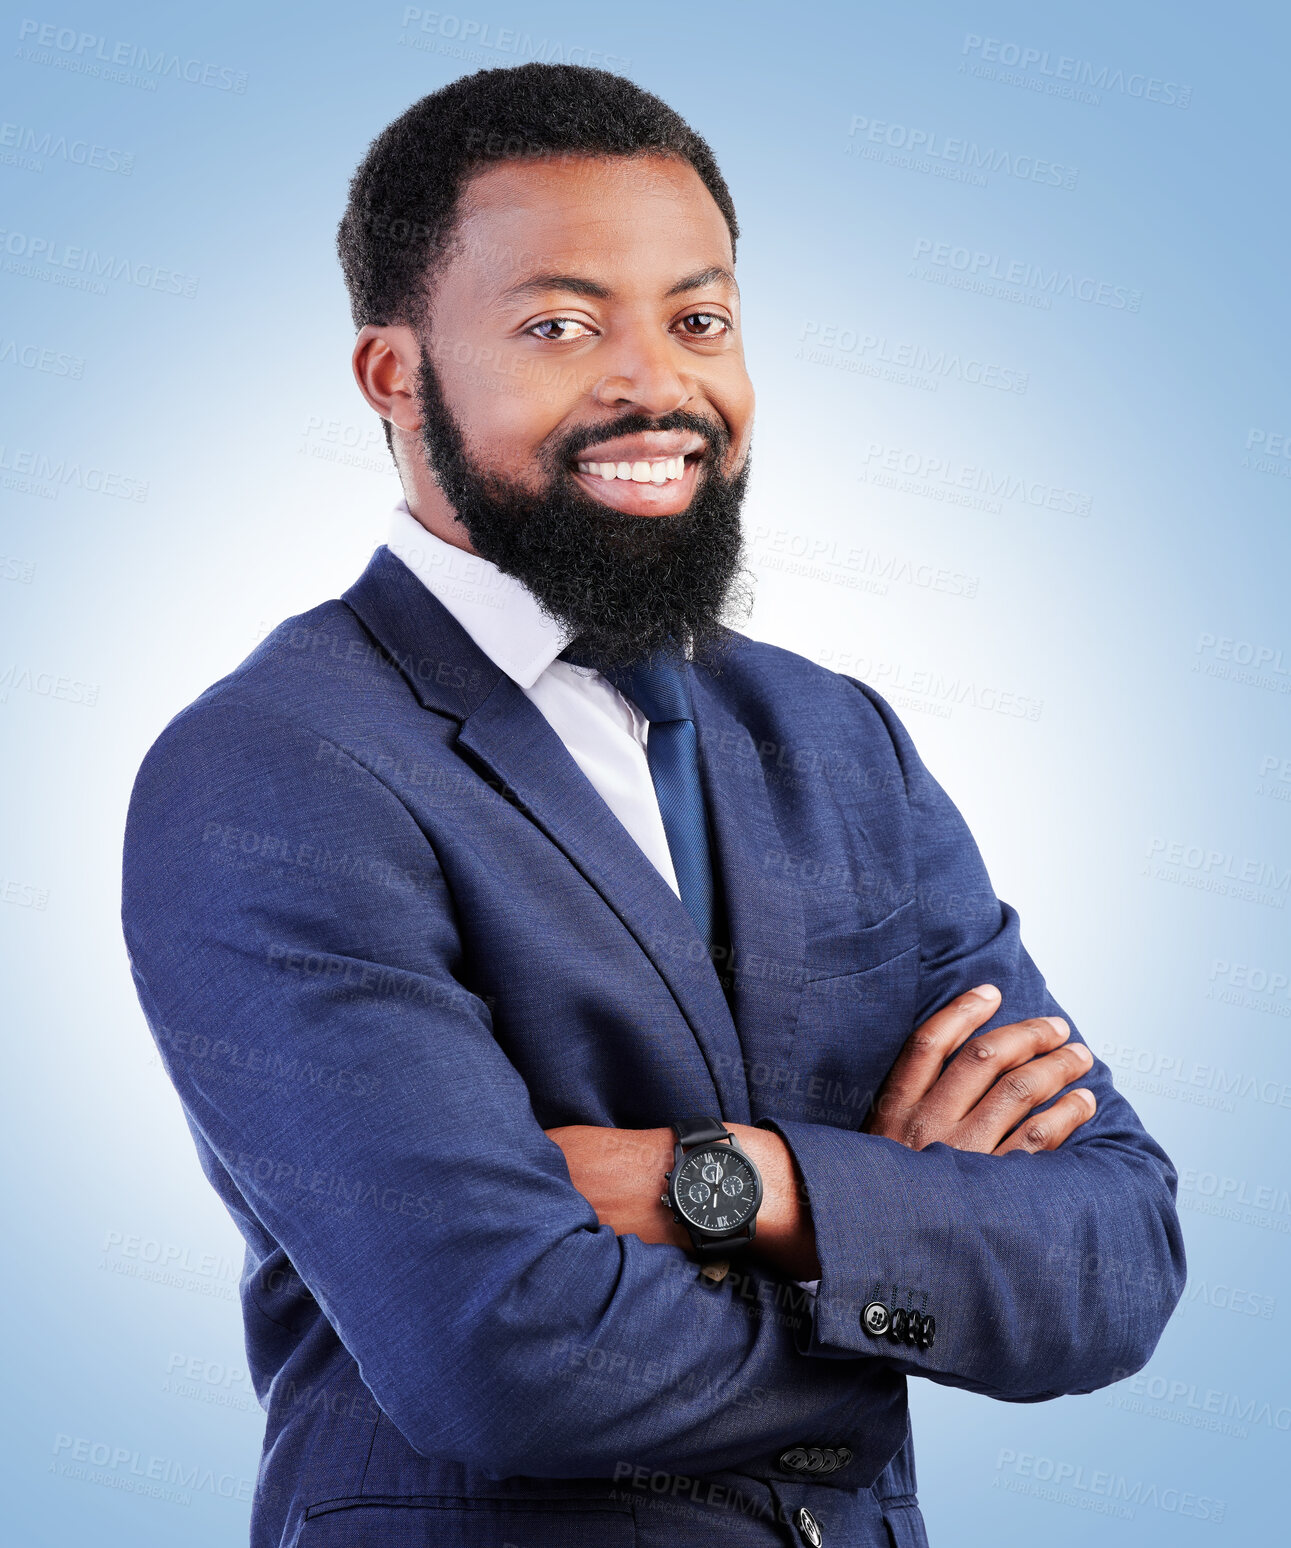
pixel 661 471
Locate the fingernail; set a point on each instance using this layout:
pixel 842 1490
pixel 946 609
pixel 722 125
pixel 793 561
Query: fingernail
pixel 1059 1025
pixel 1090 1100
pixel 985 992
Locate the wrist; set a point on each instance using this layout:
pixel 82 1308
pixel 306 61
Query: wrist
pixel 784 1238
pixel 660 1144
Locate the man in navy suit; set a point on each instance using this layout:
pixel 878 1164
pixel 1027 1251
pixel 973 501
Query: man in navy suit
pixel 600 1025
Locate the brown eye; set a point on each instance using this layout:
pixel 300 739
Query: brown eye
pixel 704 325
pixel 562 323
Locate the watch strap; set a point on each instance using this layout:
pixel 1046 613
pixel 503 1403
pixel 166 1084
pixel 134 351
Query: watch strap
pixel 708 1247
pixel 697 1129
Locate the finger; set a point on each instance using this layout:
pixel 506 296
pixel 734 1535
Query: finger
pixel 984 1059
pixel 1019 1091
pixel 928 1047
pixel 1047 1130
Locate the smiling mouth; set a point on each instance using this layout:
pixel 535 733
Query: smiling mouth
pixel 657 470
pixel 646 486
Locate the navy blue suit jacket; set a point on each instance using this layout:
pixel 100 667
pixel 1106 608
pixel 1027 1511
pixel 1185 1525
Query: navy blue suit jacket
pixel 385 932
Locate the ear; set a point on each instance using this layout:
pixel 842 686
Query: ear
pixel 386 362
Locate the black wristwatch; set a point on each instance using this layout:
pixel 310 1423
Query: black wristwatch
pixel 714 1190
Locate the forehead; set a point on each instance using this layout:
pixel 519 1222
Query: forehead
pixel 649 217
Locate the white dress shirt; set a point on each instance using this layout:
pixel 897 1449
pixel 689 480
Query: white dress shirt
pixel 604 732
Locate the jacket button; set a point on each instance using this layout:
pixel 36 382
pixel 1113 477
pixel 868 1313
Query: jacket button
pixel 794 1460
pixel 844 1455
pixel 876 1319
pixel 927 1331
pixel 900 1325
pixel 809 1527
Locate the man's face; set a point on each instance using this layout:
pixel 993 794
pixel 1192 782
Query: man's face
pixel 585 406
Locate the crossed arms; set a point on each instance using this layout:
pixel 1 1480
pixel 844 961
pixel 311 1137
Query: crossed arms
pixel 471 1312
pixel 980 1100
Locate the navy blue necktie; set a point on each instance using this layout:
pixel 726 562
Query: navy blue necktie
pixel 662 693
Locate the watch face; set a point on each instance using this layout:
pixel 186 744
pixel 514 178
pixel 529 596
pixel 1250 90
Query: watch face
pixel 716 1190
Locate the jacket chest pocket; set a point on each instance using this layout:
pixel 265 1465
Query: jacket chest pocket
pixel 858 1000
pixel 840 943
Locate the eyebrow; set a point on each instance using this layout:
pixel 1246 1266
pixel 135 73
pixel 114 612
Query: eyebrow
pixel 715 274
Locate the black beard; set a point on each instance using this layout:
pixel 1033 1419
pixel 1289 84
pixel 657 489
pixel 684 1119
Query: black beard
pixel 627 588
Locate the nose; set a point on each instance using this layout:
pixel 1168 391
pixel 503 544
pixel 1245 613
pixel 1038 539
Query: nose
pixel 643 374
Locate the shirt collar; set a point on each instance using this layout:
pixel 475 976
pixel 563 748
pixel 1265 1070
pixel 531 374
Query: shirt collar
pixel 499 613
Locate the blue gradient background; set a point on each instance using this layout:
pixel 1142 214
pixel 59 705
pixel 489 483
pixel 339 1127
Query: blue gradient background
pixel 1126 630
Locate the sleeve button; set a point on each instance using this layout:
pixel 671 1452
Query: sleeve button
pixel 876 1319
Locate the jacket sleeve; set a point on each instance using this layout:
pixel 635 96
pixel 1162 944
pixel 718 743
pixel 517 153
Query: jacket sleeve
pixel 288 902
pixel 1047 1274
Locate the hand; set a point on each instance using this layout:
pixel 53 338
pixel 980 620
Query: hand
pixel 620 1174
pixel 990 1088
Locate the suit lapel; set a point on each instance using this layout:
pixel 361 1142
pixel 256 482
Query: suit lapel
pixel 514 740
pixel 506 733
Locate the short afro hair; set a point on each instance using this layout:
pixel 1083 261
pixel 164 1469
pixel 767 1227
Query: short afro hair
pixel 403 201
